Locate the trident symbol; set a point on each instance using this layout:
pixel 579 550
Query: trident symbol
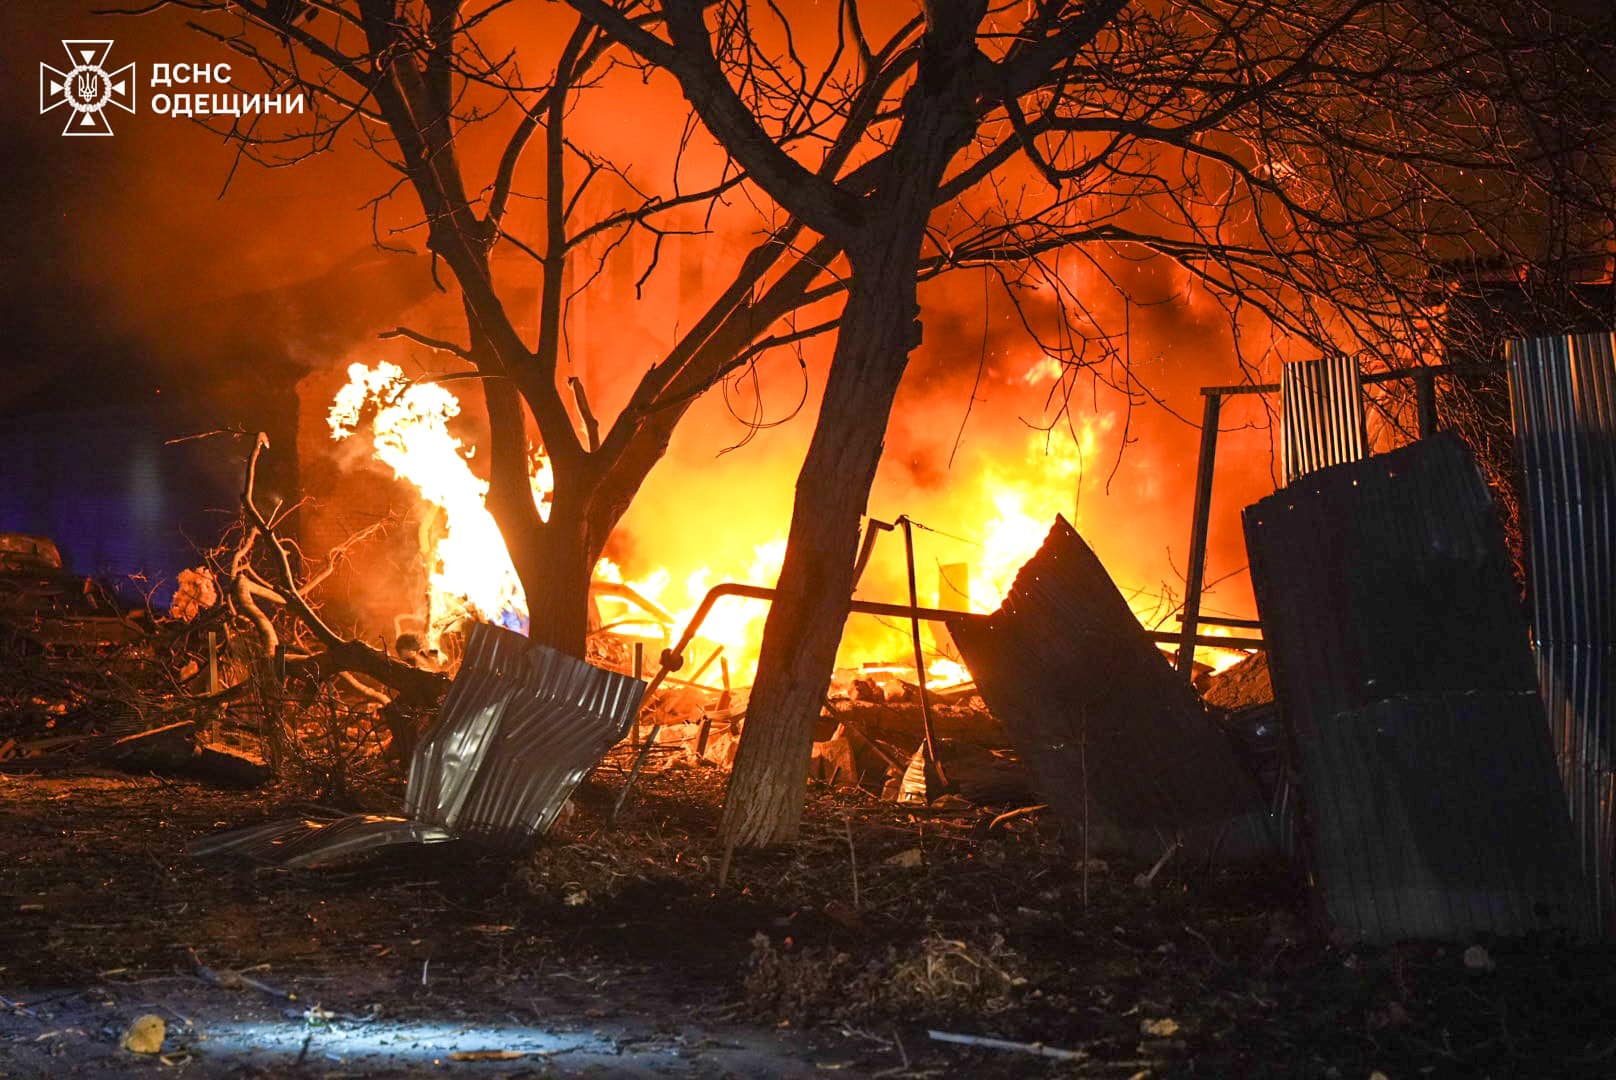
pixel 87 88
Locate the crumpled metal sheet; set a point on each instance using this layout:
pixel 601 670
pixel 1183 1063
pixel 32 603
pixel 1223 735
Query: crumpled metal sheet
pixel 520 727
pixel 314 843
pixel 508 751
pixel 1563 396
pixel 1400 662
pixel 1112 736
pixel 1321 418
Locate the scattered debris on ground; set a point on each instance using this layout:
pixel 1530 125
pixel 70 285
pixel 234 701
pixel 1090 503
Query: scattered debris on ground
pixel 617 949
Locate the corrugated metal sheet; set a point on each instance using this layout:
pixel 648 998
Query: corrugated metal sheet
pixel 521 725
pixel 1321 416
pixel 1563 393
pixel 314 843
pixel 1400 662
pixel 559 716
pixel 1091 702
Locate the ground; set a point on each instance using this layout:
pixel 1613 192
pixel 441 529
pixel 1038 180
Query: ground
pixel 635 951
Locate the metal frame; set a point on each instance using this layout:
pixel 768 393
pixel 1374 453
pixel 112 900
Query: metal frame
pixel 1189 636
pixel 673 657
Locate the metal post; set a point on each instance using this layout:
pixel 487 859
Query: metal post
pixel 1195 572
pixel 920 658
pixel 213 662
pixel 639 673
pixel 1425 398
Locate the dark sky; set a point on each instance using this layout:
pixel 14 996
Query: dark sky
pixel 114 245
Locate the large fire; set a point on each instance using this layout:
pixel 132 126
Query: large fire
pixel 469 573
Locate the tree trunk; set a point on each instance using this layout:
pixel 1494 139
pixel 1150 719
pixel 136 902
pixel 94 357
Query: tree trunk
pixel 878 328
pixel 804 627
pixel 555 568
pixel 554 559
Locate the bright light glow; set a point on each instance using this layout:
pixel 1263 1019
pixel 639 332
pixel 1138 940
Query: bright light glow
pixel 470 574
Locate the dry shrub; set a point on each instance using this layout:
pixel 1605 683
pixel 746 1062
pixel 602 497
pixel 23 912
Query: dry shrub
pixel 948 975
pixel 938 978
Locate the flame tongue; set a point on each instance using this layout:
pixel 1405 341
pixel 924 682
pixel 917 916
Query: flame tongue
pixel 470 573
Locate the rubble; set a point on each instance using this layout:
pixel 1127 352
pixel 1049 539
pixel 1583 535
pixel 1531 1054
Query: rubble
pixel 178 748
pixel 91 683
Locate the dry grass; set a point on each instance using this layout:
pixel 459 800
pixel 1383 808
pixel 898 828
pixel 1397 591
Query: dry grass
pixel 937 977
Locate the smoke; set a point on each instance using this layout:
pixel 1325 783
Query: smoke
pixel 129 240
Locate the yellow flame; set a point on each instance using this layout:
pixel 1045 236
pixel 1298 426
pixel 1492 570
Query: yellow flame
pixel 470 573
pixel 1026 496
pixel 469 570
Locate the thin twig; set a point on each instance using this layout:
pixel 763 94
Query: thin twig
pixel 852 855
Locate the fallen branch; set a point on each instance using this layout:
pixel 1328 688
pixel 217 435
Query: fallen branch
pixel 341 654
pixel 1036 1049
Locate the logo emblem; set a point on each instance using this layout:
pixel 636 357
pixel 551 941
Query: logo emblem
pixel 86 88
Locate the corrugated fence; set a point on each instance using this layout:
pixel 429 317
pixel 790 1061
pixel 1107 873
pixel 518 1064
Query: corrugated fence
pixel 1322 417
pixel 1401 664
pixel 1563 393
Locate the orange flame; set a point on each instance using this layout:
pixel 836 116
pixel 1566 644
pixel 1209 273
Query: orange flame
pixel 470 573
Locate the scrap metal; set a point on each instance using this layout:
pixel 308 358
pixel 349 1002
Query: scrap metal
pixel 1094 709
pixel 1400 662
pixel 521 726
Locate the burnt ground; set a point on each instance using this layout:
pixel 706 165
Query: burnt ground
pixel 618 952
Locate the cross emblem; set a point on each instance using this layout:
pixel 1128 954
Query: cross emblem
pixel 86 88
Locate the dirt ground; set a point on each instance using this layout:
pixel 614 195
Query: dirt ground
pixel 618 952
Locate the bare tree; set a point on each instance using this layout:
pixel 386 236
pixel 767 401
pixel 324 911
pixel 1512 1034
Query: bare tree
pixel 1312 166
pixel 412 81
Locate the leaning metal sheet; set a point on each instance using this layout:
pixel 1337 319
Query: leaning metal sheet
pixel 1401 666
pixel 1109 731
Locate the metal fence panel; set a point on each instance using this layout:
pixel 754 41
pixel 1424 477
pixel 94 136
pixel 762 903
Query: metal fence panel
pixel 1400 662
pixel 1563 395
pixel 521 725
pixel 1321 415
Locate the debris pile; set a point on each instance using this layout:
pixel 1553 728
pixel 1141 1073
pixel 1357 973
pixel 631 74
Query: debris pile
pixel 86 679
